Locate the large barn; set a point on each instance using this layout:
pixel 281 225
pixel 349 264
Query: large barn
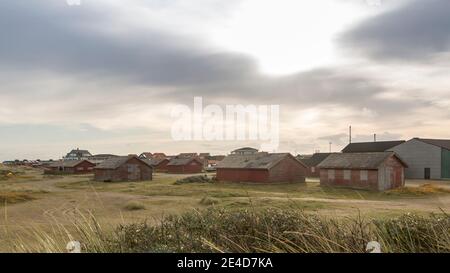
pixel 372 171
pixel 123 168
pixel 261 168
pixel 70 167
pixel 187 165
pixel 426 158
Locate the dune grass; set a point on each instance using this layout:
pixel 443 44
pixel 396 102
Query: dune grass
pixel 10 197
pixel 249 231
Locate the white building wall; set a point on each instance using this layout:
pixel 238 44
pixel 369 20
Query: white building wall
pixel 419 155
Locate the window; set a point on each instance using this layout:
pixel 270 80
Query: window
pixel 80 168
pixel 364 175
pixel 347 174
pixel 313 169
pixel 330 174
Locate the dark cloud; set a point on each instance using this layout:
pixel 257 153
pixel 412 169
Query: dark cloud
pixel 415 31
pixel 56 37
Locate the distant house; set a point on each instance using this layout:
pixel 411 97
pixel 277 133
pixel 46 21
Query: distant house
pixel 159 155
pixel 186 165
pixel 146 156
pixel 312 163
pixel 372 171
pixel 426 158
pixel 244 151
pixel 371 147
pixel 97 159
pixel 261 168
pixel 70 167
pixel 159 164
pixel 78 154
pixel 123 168
pixel 187 155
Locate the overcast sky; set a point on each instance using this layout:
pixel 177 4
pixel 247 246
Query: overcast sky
pixel 105 75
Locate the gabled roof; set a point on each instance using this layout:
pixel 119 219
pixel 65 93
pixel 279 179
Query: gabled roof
pixel 315 159
pixel 113 163
pixel 442 143
pixel 146 155
pixel 371 147
pixel 155 161
pixel 67 163
pixel 364 161
pixel 245 149
pixel 187 155
pixel 261 160
pixel 182 161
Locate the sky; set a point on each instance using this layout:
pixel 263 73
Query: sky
pixel 105 74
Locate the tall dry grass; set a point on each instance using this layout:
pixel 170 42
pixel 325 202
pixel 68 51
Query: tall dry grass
pixel 271 230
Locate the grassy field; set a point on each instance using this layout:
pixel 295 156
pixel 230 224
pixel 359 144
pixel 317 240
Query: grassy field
pixel 31 202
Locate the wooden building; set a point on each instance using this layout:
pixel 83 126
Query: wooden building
pixel 187 165
pixel 123 168
pixel 312 163
pixel 372 171
pixel 70 167
pixel 159 164
pixel 261 168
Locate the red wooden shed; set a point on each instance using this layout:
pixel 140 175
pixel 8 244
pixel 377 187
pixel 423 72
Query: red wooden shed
pixel 123 168
pixel 186 165
pixel 372 171
pixel 261 168
pixel 70 167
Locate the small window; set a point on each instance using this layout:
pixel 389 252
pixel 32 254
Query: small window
pixel 347 174
pixel 330 174
pixel 364 175
pixel 313 169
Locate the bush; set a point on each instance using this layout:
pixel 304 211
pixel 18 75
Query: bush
pixel 194 179
pixel 134 205
pixel 218 230
pixel 209 201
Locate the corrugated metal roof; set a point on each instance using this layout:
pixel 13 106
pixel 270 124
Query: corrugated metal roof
pixel 371 147
pixel 369 161
pixel 260 160
pixel 442 143
pixel 116 162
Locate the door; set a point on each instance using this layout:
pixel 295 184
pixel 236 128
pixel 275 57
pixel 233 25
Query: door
pixel 427 175
pixel 134 173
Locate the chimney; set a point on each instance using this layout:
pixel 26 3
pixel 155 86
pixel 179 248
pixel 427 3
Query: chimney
pixel 374 137
pixel 350 134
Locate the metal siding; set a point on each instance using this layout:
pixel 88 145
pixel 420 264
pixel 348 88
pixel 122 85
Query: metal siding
pixel 419 155
pixel 445 164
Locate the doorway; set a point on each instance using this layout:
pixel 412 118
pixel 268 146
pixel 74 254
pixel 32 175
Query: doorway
pixel 427 175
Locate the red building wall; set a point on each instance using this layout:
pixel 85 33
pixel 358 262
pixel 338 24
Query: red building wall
pixel 243 175
pixel 84 167
pixel 190 168
pixel 162 167
pixel 287 170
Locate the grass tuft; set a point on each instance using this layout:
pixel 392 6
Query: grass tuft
pixel 134 205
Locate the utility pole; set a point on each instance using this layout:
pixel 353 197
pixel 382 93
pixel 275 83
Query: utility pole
pixel 330 146
pixel 374 137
